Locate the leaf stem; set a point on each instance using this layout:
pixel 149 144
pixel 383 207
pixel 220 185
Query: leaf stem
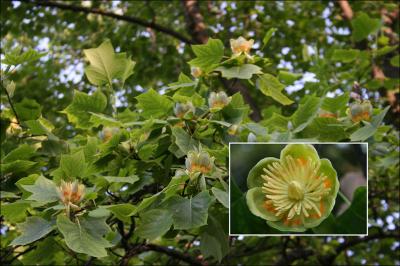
pixel 344 198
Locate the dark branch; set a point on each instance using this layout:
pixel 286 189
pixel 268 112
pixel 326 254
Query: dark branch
pixel 167 251
pixel 130 19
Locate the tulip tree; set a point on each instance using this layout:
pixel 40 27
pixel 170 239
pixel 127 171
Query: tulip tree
pixel 130 164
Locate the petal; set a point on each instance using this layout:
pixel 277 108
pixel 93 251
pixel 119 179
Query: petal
pixel 314 220
pixel 286 227
pixel 254 178
pixel 332 181
pixel 256 202
pixel 300 151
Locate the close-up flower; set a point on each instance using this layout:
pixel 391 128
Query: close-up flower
pixel 360 111
pixel 199 162
pixel 293 193
pixel 241 45
pixel 218 100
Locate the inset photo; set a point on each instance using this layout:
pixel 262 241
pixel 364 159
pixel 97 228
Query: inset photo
pixel 298 188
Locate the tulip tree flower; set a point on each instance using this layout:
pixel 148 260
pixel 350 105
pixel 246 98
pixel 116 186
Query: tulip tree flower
pixel 293 193
pixel 199 162
pixel 241 45
pixel 360 111
pixel 196 72
pixel 71 194
pixel 218 100
pixel 181 109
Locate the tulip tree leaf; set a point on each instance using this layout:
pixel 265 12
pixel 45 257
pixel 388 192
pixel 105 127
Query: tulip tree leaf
pixel 106 65
pixel 33 229
pixel 14 212
pixel 271 86
pixel 154 223
pixel 87 237
pixel 245 71
pixel 222 196
pixel 73 165
pixel 189 213
pixel 208 55
pixel 369 130
pixel 153 104
pixel 78 112
pixel 363 26
pixel 43 190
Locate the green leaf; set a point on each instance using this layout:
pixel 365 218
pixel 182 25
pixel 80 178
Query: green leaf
pixel 214 241
pixel 73 165
pixel 385 50
pixel 222 196
pixel 122 211
pixel 15 57
pixel 335 104
pixel 325 129
pixel 189 213
pixel 354 219
pixel 33 229
pixel 14 212
pixel 287 77
pixel 154 223
pixel 78 111
pixel 18 166
pixel 208 55
pixel 363 26
pixel 369 130
pixel 87 237
pixel 153 104
pixel 22 152
pixel 43 190
pixel 104 120
pixel 28 109
pixel 395 61
pixel 122 179
pixel 306 112
pixel 184 141
pixel 245 71
pixel 271 86
pixel 345 55
pixel 268 36
pixel 106 65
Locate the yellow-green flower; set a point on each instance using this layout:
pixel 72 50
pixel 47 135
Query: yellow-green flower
pixel 293 193
pixel 218 100
pixel 360 111
pixel 181 109
pixel 199 162
pixel 196 72
pixel 241 45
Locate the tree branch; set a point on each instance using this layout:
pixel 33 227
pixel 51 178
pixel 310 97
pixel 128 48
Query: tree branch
pixel 130 19
pixel 152 247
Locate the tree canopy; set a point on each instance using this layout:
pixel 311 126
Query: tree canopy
pixel 116 119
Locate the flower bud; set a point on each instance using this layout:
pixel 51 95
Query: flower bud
pixel 218 100
pixel 241 45
pixel 181 109
pixel 199 162
pixel 71 192
pixel 196 72
pixel 107 133
pixel 360 111
pixel 14 128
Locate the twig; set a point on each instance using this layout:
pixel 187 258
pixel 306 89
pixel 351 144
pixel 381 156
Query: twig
pixel 130 19
pixel 11 104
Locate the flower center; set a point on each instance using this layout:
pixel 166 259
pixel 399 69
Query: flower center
pixel 295 191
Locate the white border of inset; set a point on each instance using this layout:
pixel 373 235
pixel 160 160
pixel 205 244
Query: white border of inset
pixel 285 143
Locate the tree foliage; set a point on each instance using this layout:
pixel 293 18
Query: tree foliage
pixel 115 150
